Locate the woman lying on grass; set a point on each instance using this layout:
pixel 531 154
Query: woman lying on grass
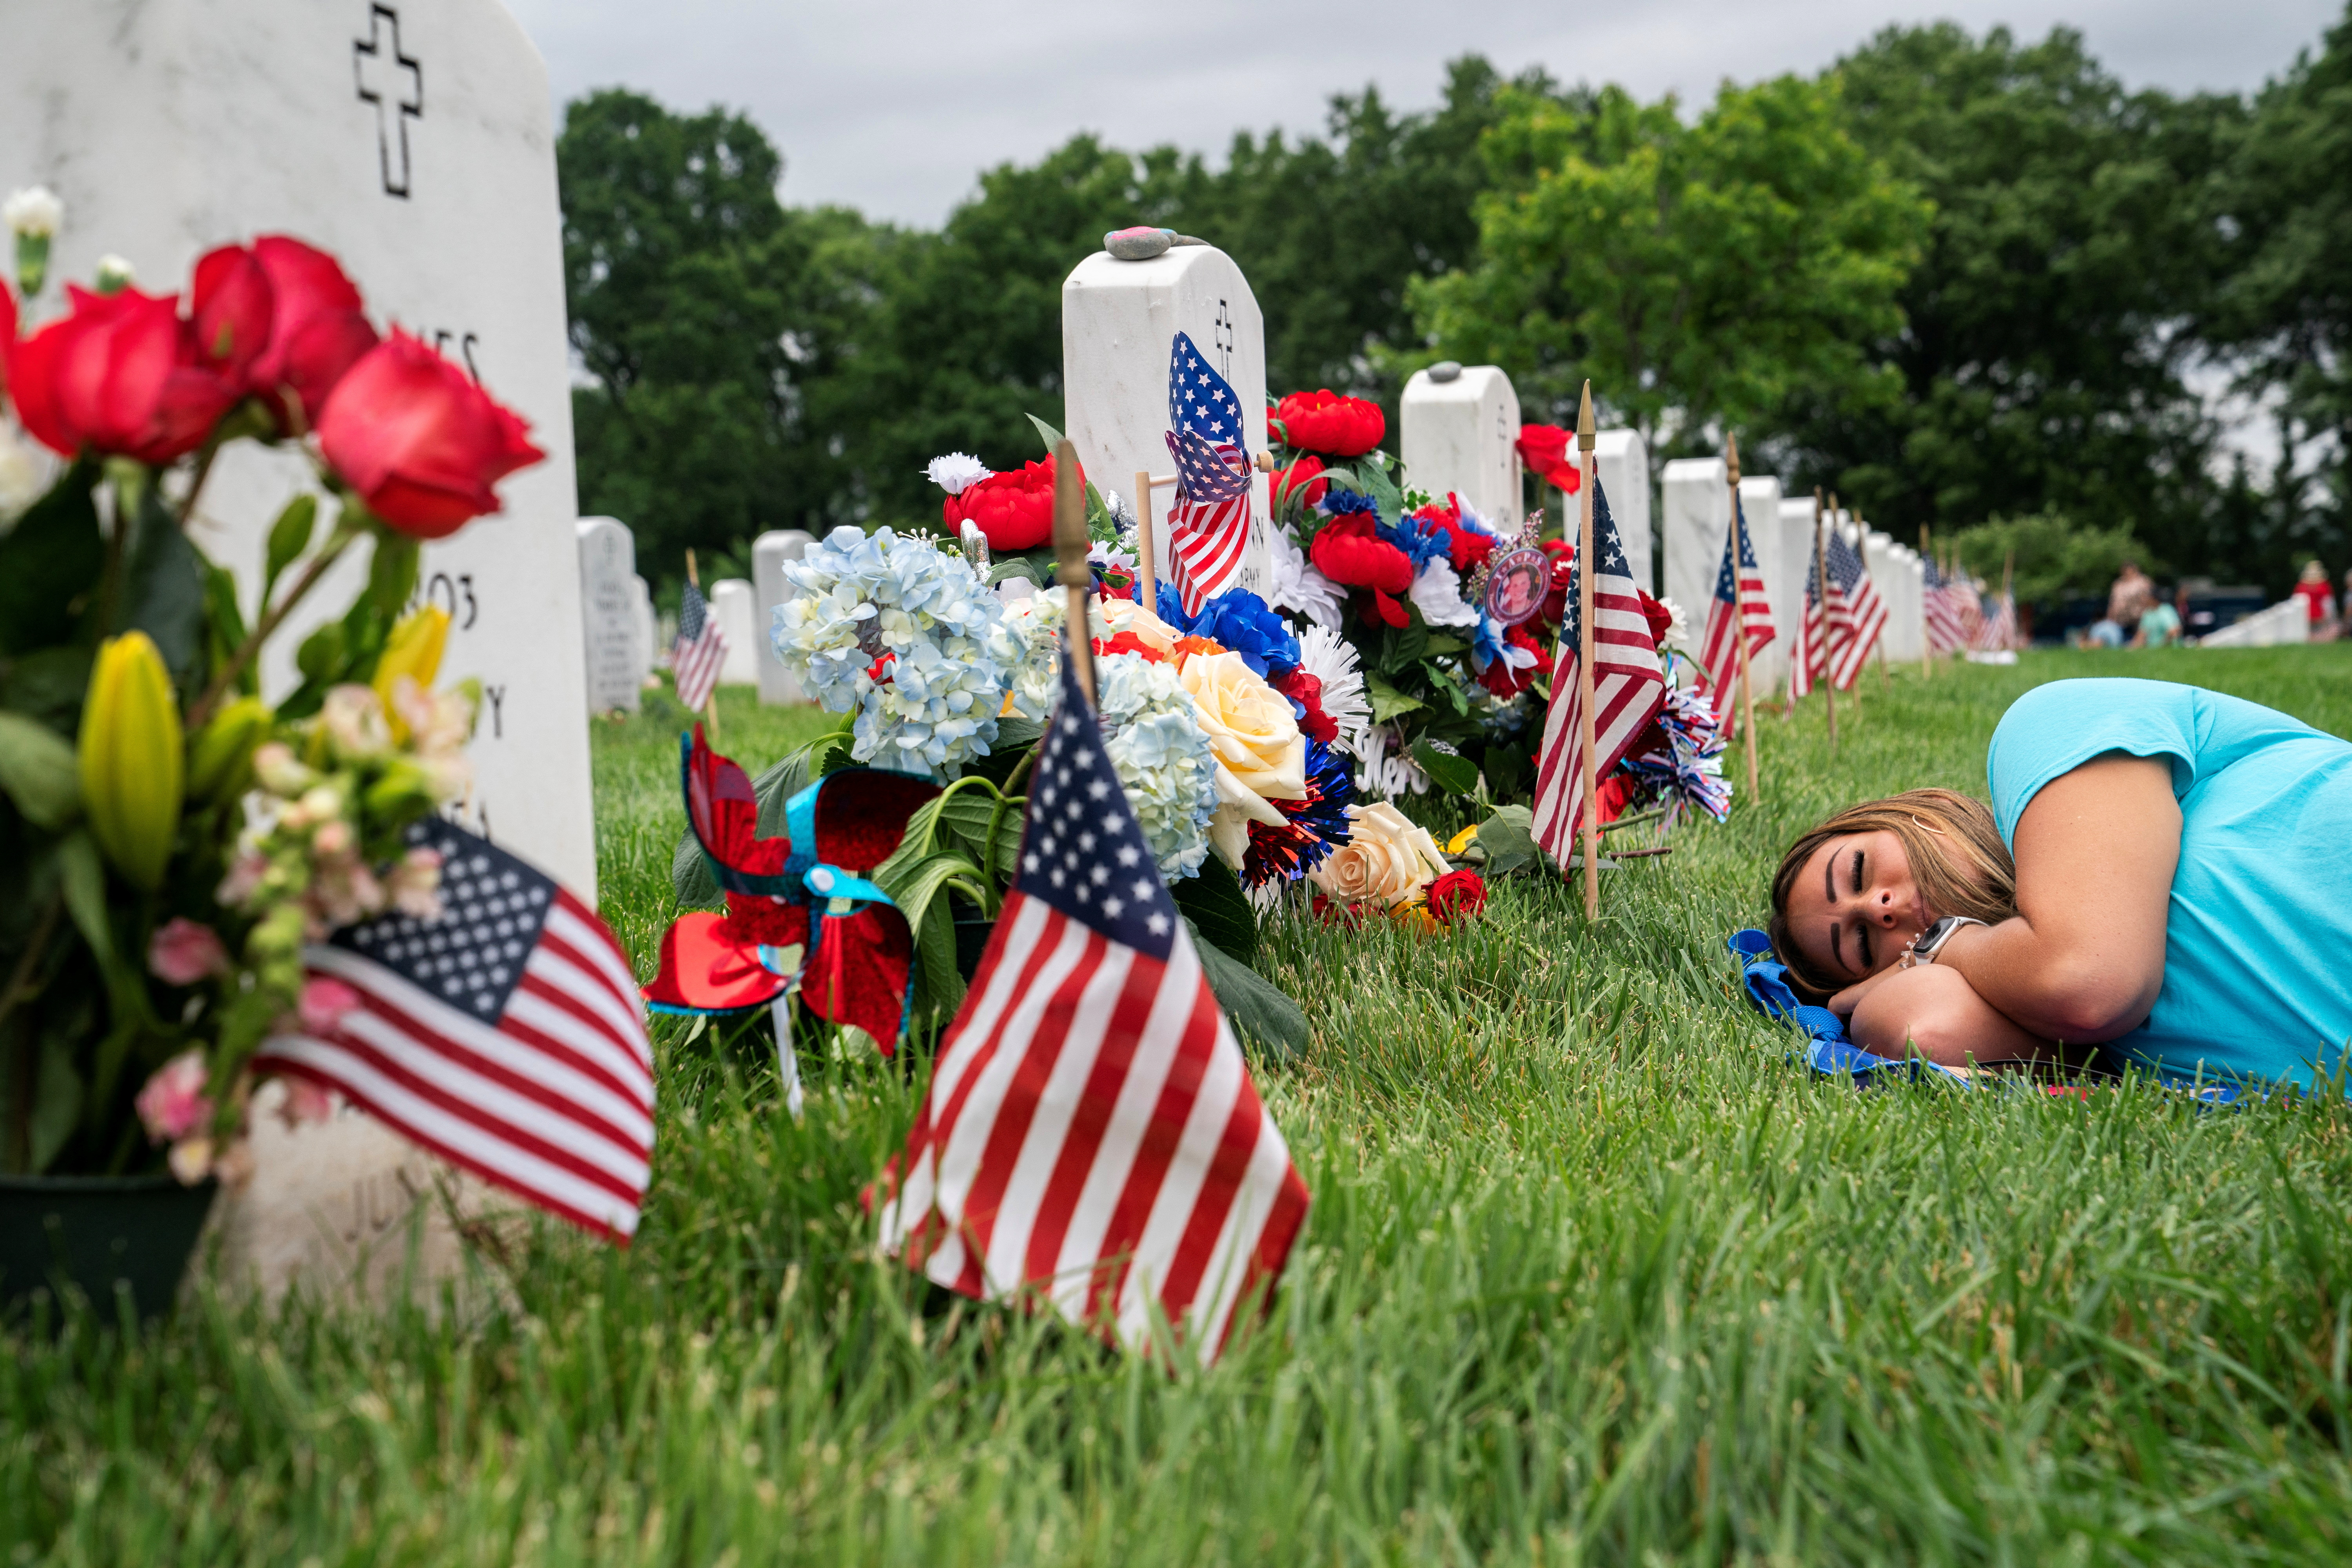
pixel 2165 871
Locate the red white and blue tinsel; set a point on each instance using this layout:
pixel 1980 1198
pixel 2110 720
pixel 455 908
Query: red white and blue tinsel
pixel 1685 767
pixel 1315 826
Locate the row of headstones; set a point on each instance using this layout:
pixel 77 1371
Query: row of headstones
pixel 619 631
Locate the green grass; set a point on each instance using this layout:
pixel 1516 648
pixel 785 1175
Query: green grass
pixel 1594 1273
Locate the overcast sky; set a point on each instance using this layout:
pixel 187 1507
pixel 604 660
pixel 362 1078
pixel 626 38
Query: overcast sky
pixel 895 106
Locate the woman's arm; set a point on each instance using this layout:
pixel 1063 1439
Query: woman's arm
pixel 2084 959
pixel 1935 1011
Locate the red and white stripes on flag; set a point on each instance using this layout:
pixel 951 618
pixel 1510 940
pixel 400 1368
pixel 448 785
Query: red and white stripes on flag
pixel 1205 542
pixel 1857 613
pixel 1627 684
pixel 1738 601
pixel 1091 1136
pixel 700 651
pixel 1207 523
pixel 1999 629
pixel 504 1035
pixel 1942 599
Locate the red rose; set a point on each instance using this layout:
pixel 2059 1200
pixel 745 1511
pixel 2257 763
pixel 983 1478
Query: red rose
pixel 120 375
pixel 1306 690
pixel 419 440
pixel 1544 449
pixel 1660 619
pixel 230 305
pixel 1302 475
pixel 1347 551
pixel 317 331
pixel 7 333
pixel 1327 423
pixel 1506 682
pixel 1015 510
pixel 1456 895
pixel 1465 546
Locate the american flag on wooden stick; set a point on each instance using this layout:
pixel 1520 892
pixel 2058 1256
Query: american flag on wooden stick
pixel 1947 623
pixel 1739 600
pixel 1627 684
pixel 504 1035
pixel 1997 630
pixel 1857 614
pixel 1091 1134
pixel 1207 523
pixel 700 650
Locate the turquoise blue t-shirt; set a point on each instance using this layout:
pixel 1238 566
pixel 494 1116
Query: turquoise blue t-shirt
pixel 2258 939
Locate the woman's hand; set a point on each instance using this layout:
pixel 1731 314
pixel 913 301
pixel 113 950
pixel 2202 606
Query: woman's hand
pixel 1844 1003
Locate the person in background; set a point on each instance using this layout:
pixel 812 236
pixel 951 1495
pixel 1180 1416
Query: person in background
pixel 2123 608
pixel 2318 600
pixel 2158 623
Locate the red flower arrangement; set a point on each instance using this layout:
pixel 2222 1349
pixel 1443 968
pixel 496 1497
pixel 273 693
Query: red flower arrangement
pixel 1302 478
pixel 1327 423
pixel 1015 510
pixel 284 318
pixel 120 375
pixel 1500 679
pixel 419 440
pixel 1350 552
pixel 1465 546
pixel 1306 690
pixel 1544 448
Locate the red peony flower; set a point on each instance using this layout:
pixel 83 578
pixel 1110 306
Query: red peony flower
pixel 1015 510
pixel 1544 448
pixel 1500 679
pixel 419 440
pixel 119 374
pixel 1347 551
pixel 1306 690
pixel 1302 475
pixel 1327 423
pixel 317 331
pixel 1457 895
pixel 1465 546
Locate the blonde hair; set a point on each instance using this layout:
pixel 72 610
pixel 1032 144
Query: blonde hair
pixel 1956 854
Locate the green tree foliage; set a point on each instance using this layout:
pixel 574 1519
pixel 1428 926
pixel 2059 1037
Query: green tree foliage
pixel 2056 559
pixel 2039 352
pixel 1697 274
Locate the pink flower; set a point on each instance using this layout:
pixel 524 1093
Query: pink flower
pixel 305 1101
pixel 414 884
pixel 244 879
pixel 182 953
pixel 324 1002
pixel 172 1104
pixel 191 1159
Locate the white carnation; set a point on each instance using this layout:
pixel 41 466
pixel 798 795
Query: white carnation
pixel 1437 590
pixel 1299 588
pixel 34 212
pixel 958 472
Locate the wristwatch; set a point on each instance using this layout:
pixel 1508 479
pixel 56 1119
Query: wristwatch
pixel 1928 943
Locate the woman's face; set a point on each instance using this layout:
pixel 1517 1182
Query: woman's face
pixel 1854 905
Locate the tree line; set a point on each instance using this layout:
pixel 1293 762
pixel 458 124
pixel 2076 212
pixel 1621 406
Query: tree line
pixel 1954 278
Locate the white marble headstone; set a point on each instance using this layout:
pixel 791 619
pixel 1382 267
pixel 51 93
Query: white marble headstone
pixel 1622 461
pixel 1694 515
pixel 1120 320
pixel 1795 549
pixel 612 633
pixel 413 139
pixel 770 552
pixel 731 602
pixel 1459 433
pixel 641 595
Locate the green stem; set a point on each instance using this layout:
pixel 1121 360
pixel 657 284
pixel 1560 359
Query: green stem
pixel 346 532
pixel 20 984
pixel 204 468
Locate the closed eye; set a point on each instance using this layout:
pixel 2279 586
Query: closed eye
pixel 1857 873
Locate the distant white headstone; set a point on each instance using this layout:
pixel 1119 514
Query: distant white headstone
pixel 2288 621
pixel 1696 518
pixel 1760 503
pixel 1459 433
pixel 770 552
pixel 731 602
pixel 610 632
pixel 1795 551
pixel 1622 461
pixel 641 594
pixel 414 140
pixel 1120 320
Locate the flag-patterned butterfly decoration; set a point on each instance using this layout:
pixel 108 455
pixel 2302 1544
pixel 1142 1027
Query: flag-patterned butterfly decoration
pixel 1207 523
pixel 1091 1133
pixel 503 1034
pixel 1628 684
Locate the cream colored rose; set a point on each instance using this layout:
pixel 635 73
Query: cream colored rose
pixel 1386 857
pixel 1249 724
pixel 1113 616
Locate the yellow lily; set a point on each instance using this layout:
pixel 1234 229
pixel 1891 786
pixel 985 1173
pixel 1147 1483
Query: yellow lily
pixel 132 758
pixel 413 649
pixel 220 757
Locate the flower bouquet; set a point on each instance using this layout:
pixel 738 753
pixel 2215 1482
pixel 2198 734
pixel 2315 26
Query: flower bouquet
pixel 173 838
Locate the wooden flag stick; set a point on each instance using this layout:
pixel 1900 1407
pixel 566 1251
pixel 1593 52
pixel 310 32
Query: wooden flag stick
pixel 1146 584
pixel 1586 439
pixel 1821 603
pixel 710 703
pixel 1926 638
pixel 1739 607
pixel 1070 567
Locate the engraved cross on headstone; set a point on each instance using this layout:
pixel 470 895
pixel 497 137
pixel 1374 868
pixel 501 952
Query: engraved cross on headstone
pixel 1224 337
pixel 395 84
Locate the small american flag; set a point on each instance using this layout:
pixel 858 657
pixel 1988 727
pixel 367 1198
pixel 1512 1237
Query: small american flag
pixel 505 1036
pixel 1738 601
pixel 700 650
pixel 1999 629
pixel 1856 612
pixel 1091 1133
pixel 1627 684
pixel 1207 523
pixel 1946 622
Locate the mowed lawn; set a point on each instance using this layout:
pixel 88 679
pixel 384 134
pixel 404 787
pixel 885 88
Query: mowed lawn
pixel 1594 1272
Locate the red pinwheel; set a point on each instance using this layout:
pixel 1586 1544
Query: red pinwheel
pixel 855 959
pixel 1327 423
pixel 1544 449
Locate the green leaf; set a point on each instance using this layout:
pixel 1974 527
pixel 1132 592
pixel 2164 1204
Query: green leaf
pixel 38 770
pixel 391 574
pixel 1053 437
pixel 289 536
pixel 1440 645
pixel 1387 700
pixel 320 658
pixel 163 593
pixel 1220 911
pixel 49 563
pixel 1014 736
pixel 1448 769
pixel 84 877
pixel 1259 1011
pixel 224 620
pixel 939 985
pixel 1386 497
pixel 1016 568
pixel 56 1101
pixel 1509 841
